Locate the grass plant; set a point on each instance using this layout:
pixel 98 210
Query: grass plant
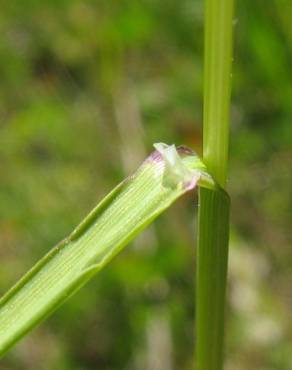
pixel 163 177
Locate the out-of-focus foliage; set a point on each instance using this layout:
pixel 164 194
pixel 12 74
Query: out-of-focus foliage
pixel 86 87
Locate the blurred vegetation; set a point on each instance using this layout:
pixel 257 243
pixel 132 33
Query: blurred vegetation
pixel 86 88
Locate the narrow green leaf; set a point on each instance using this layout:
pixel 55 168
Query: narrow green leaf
pixel 164 176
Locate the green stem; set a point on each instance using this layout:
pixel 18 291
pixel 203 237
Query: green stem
pixel 213 223
pixel 217 80
pixel 212 259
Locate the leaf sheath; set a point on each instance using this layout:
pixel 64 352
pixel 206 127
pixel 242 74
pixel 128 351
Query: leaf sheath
pixel 212 257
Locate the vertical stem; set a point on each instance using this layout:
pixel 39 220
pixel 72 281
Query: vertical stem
pixel 212 256
pixel 213 222
pixel 217 80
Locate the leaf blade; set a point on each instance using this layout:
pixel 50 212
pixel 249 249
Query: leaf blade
pixel 128 209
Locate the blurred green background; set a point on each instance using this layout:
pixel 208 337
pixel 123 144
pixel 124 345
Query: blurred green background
pixel 86 87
